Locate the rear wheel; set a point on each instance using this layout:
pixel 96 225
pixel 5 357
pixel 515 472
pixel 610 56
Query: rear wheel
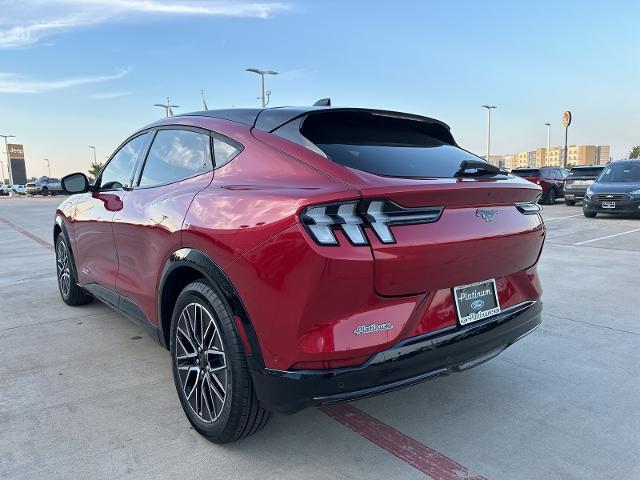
pixel 589 214
pixel 571 203
pixel 552 195
pixel 210 369
pixel 71 293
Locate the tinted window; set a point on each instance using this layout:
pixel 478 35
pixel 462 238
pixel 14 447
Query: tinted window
pixel 223 153
pixel 386 145
pixel 559 174
pixel 176 155
pixel 119 171
pixel 526 172
pixel 585 172
pixel 621 172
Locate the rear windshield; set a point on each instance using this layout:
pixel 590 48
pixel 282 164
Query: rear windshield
pixel 585 172
pixel 386 145
pixel 527 172
pixel 622 172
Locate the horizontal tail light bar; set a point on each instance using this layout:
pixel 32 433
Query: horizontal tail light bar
pixel 528 208
pixel 353 216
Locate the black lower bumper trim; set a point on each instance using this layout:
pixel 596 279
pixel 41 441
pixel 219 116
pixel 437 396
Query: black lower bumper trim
pixel 412 361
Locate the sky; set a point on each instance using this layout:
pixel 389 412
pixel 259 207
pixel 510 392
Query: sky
pixel 75 73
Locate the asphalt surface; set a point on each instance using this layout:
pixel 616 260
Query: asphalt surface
pixel 84 393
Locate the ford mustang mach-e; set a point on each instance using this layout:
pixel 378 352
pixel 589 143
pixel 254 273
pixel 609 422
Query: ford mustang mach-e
pixel 300 256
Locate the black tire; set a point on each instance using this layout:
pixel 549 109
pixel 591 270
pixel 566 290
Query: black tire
pixel 571 203
pixel 589 214
pixel 551 197
pixel 71 293
pixel 45 191
pixel 228 409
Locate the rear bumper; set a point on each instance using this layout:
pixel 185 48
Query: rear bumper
pixel 410 362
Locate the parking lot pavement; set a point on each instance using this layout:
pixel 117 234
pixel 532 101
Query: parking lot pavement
pixel 84 393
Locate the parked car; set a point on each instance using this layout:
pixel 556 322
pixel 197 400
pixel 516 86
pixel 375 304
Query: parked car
pixel 616 190
pixel 579 179
pixel 551 179
pixel 300 256
pixel 44 186
pixel 4 189
pixel 19 189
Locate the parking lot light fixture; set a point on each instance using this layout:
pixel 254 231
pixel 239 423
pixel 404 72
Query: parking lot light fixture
pixel 48 165
pixel 489 108
pixel 262 73
pixel 94 153
pixel 6 146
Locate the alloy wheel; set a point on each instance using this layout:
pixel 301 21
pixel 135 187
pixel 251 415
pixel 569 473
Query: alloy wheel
pixel 201 362
pixel 62 264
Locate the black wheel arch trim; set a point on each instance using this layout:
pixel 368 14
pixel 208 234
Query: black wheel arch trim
pixel 59 222
pixel 199 261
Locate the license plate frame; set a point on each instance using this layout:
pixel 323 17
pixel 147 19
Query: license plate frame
pixel 476 301
pixel 609 204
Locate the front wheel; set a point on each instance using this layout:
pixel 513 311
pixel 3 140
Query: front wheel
pixel 589 214
pixel 571 203
pixel 210 369
pixel 71 293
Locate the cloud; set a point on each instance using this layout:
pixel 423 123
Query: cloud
pixel 17 83
pixel 109 95
pixel 27 22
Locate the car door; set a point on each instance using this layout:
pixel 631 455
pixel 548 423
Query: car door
pixel 95 251
pixel 147 228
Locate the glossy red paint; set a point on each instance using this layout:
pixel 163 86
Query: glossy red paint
pixel 305 300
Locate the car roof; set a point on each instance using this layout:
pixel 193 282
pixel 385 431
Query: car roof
pixel 579 167
pixel 269 119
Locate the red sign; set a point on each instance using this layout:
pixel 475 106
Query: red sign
pixel 15 151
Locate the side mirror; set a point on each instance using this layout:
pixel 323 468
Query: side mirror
pixel 75 183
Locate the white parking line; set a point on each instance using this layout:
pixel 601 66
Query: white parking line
pixel 560 218
pixel 608 236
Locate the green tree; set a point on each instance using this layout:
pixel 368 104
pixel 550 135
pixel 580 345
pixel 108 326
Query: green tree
pixel 94 169
pixel 635 152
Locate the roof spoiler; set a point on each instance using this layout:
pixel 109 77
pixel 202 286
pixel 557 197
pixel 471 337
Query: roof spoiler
pixel 323 102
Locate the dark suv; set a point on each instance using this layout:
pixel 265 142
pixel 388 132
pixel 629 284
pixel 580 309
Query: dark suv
pixel 551 179
pixel 579 179
pixel 616 190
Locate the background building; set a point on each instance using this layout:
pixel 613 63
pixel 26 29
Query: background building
pixel 540 157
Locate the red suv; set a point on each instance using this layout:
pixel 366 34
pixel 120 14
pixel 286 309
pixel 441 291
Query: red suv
pixel 291 257
pixel 551 179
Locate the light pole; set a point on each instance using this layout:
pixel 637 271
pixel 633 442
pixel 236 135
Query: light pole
pixel 546 157
pixel 167 108
pixel 48 165
pixel 489 108
pixel 94 153
pixel 262 73
pixel 6 146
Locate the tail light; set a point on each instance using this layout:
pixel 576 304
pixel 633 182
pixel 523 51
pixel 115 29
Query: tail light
pixel 528 208
pixel 352 217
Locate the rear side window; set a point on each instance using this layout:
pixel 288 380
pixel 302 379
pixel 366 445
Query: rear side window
pixel 385 145
pixel 176 155
pixel 526 172
pixel 119 171
pixel 223 153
